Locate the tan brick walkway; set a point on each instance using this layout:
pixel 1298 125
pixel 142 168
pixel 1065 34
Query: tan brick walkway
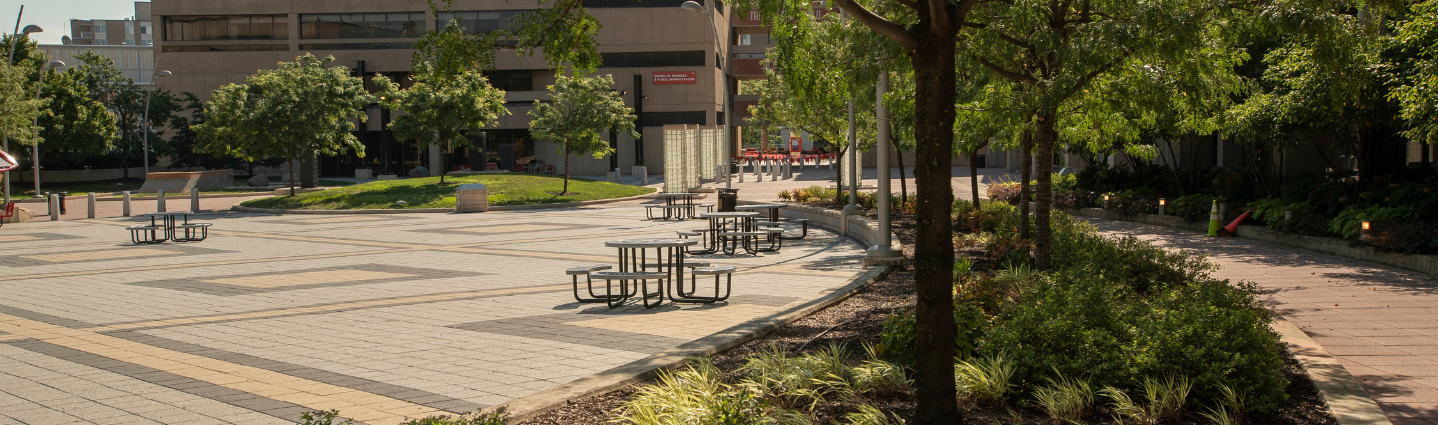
pixel 384 317
pixel 1380 322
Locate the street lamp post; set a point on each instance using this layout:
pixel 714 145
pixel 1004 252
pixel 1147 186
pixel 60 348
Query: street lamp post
pixel 15 39
pixel 35 150
pixel 161 74
pixel 724 74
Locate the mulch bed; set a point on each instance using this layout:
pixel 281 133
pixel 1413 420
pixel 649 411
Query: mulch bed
pixel 859 320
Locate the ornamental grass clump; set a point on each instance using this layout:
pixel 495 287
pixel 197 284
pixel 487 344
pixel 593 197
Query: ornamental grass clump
pixel 984 379
pixel 1065 399
pixel 1162 400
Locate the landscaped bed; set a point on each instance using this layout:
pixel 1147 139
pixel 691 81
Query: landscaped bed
pixel 504 189
pixel 1141 314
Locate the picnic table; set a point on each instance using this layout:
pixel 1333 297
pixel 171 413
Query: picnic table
pixel 676 205
pixel 730 231
pixel 173 229
pixel 773 209
pixel 636 268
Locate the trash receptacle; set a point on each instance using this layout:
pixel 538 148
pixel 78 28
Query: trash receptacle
pixel 728 199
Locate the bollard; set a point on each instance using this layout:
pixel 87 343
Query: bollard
pixel 194 200
pixel 54 207
pixel 161 201
pixel 741 171
pixel 774 171
pixel 758 173
pixel 1161 204
pixel 1223 212
pixel 125 205
pixel 90 199
pixel 1288 220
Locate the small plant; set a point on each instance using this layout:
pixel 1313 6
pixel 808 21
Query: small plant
pixel 879 377
pixel 497 417
pixel 1065 399
pixel 1230 410
pixel 1163 400
pixel 790 381
pixel 870 415
pixel 320 417
pixel 985 379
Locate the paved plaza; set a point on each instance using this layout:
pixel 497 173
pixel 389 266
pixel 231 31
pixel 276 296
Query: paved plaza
pixel 384 317
pixel 1380 322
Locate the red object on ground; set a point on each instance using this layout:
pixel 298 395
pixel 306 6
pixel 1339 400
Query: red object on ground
pixel 7 162
pixel 1232 228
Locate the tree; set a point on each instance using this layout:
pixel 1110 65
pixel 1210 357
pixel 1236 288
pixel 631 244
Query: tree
pixel 18 107
pixel 1418 96
pixel 299 109
pixel 76 126
pixel 580 108
pixel 183 143
pixel 449 100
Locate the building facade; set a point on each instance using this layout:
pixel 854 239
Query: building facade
pixel 136 62
pixel 663 58
pixel 133 31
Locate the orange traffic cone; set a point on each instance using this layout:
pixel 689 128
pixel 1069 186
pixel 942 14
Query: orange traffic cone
pixel 1231 229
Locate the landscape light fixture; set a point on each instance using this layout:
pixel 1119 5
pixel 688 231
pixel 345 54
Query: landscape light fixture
pixel 1366 224
pixel 1161 203
pixel 161 74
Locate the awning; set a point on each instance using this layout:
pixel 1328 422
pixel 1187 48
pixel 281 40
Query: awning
pixel 7 162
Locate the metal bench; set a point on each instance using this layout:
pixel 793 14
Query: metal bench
pixel 716 271
pixel 194 232
pixel 802 222
pixel 624 278
pixel 669 211
pixel 146 234
pixel 775 236
pixel 585 270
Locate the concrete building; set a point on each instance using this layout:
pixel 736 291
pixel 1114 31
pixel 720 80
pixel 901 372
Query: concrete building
pixel 662 57
pixel 133 31
pixel 136 62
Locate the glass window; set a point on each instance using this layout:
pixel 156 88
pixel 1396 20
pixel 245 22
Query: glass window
pixel 481 22
pixel 362 25
pixel 232 27
pixel 100 28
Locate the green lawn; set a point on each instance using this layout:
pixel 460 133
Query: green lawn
pixel 504 189
pixel 25 190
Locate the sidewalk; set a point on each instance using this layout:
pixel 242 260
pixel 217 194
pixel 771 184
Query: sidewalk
pixel 1380 322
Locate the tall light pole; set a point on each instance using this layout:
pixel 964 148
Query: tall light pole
pixel 883 249
pixel 35 150
pixel 14 40
pixel 724 74
pixel 853 208
pixel 146 119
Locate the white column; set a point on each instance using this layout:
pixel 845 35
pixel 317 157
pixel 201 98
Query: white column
pixel 881 152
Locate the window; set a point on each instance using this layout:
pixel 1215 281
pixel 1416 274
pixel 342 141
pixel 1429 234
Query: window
pixel 102 41
pixel 753 39
pixel 748 56
pixel 147 42
pixel 356 46
pixel 100 28
pixel 232 27
pixel 144 29
pixel 652 59
pixel 228 48
pixel 362 25
pixel 511 80
pixel 598 4
pixel 480 22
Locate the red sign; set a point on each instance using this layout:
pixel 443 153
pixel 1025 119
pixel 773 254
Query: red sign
pixel 676 77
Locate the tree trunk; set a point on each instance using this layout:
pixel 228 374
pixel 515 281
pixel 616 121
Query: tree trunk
pixel 1044 152
pixel 1025 189
pixel 935 330
pixel 564 191
pixel 442 161
pixel 904 185
pixel 292 176
pixel 974 177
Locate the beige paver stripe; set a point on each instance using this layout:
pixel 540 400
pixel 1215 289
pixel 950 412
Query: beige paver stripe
pixel 17 238
pixel 100 255
pixel 332 307
pixel 305 278
pixel 359 405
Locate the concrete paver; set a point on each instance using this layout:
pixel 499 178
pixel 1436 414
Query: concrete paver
pixel 384 318
pixel 1380 322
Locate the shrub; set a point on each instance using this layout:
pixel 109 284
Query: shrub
pixel 1349 222
pixel 1072 200
pixel 1192 208
pixel 1007 193
pixel 1272 211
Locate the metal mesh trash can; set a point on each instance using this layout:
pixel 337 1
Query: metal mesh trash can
pixel 728 199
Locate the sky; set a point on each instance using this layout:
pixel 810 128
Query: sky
pixel 54 15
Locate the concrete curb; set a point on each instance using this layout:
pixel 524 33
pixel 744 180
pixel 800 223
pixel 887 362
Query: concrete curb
pixel 437 210
pixel 168 196
pixel 1335 246
pixel 530 406
pixel 1345 398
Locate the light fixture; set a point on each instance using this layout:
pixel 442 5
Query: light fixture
pixel 1366 224
pixel 165 73
pixel 55 64
pixel 1161 202
pixel 31 29
pixel 692 5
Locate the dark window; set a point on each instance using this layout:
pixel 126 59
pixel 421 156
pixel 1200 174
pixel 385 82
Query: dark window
pixel 221 27
pixel 228 48
pixel 521 80
pixel 597 4
pixel 362 25
pixel 657 119
pixel 356 46
pixel 480 22
pixel 652 59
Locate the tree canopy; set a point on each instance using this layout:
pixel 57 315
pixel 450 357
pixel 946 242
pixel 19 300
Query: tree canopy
pixel 301 108
pixel 580 108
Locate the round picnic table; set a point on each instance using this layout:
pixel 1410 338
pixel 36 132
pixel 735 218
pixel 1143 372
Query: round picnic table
pixel 668 258
pixel 728 222
pixel 683 200
pixel 772 208
pixel 167 219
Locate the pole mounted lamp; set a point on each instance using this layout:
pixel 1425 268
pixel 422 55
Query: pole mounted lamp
pixel 161 74
pixel 35 150
pixel 14 40
pixel 724 74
